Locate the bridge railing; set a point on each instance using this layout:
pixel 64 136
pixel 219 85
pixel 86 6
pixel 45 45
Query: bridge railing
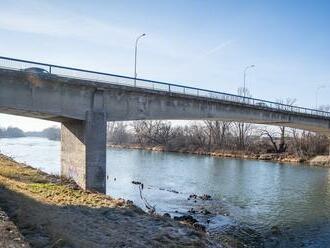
pixel 23 65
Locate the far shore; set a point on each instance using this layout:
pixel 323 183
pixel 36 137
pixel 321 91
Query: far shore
pixel 319 160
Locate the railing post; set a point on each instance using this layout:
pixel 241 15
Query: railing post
pixel 50 69
pixel 169 88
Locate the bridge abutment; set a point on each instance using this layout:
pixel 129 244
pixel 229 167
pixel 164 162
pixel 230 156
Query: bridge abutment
pixel 83 152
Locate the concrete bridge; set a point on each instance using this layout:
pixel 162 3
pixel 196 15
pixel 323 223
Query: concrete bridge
pixel 83 101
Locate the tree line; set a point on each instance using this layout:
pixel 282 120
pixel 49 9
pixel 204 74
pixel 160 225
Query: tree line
pixel 212 136
pixel 52 133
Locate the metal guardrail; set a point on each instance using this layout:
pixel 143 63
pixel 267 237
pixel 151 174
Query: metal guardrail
pixel 18 64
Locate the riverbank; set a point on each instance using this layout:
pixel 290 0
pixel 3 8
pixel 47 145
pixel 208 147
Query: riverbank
pixel 322 161
pixel 9 235
pixel 53 212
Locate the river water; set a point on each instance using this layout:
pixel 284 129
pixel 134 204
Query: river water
pixel 261 204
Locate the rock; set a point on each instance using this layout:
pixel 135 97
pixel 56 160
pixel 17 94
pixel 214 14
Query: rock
pixel 193 196
pixel 186 218
pixel 167 215
pixel 268 156
pixel 205 212
pixel 205 197
pixel 199 227
pixel 202 197
pixel 191 211
pixel 275 230
pixel 129 202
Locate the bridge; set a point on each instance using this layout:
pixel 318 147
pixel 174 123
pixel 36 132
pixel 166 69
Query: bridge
pixel 83 101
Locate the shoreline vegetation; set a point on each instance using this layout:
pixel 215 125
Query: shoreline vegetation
pixel 318 160
pixel 223 139
pixel 214 138
pixel 51 211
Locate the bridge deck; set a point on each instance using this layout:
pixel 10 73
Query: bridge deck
pixel 156 86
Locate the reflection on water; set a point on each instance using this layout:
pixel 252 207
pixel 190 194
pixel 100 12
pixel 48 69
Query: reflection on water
pixel 290 205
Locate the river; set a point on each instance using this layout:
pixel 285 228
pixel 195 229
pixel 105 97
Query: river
pixel 261 204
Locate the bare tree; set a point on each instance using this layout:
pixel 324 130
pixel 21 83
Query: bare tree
pixel 197 135
pixel 280 146
pixel 277 139
pixel 241 132
pixel 118 133
pixel 210 135
pixel 307 144
pixel 217 132
pixel 153 132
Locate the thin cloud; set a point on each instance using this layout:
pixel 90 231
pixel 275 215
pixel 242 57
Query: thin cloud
pixel 62 24
pixel 44 18
pixel 197 59
pixel 218 47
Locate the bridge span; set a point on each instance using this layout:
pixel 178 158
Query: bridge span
pixel 83 101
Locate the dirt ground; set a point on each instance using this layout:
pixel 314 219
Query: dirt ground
pixel 53 212
pixel 9 235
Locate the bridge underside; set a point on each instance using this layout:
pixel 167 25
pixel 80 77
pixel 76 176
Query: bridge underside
pixel 37 115
pixel 83 107
pixel 276 122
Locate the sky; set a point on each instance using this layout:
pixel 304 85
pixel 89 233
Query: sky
pixel 206 44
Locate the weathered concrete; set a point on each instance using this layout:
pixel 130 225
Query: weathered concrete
pixel 84 107
pixel 57 98
pixel 83 152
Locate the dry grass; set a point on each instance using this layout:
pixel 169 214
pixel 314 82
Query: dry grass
pixel 53 212
pixel 49 188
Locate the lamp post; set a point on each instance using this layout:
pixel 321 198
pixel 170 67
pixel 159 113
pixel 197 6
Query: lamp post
pixel 136 46
pixel 317 94
pixel 246 68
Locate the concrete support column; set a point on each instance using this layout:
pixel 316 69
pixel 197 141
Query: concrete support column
pixel 83 152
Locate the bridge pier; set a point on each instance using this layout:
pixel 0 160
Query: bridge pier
pixel 83 151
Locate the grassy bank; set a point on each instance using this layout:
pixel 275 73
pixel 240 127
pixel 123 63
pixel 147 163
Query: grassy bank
pixel 53 212
pixel 322 160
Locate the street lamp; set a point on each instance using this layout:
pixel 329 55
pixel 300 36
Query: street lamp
pixel 246 68
pixel 317 94
pixel 136 46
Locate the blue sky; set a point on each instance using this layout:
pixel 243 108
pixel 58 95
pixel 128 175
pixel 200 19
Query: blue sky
pixel 199 43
